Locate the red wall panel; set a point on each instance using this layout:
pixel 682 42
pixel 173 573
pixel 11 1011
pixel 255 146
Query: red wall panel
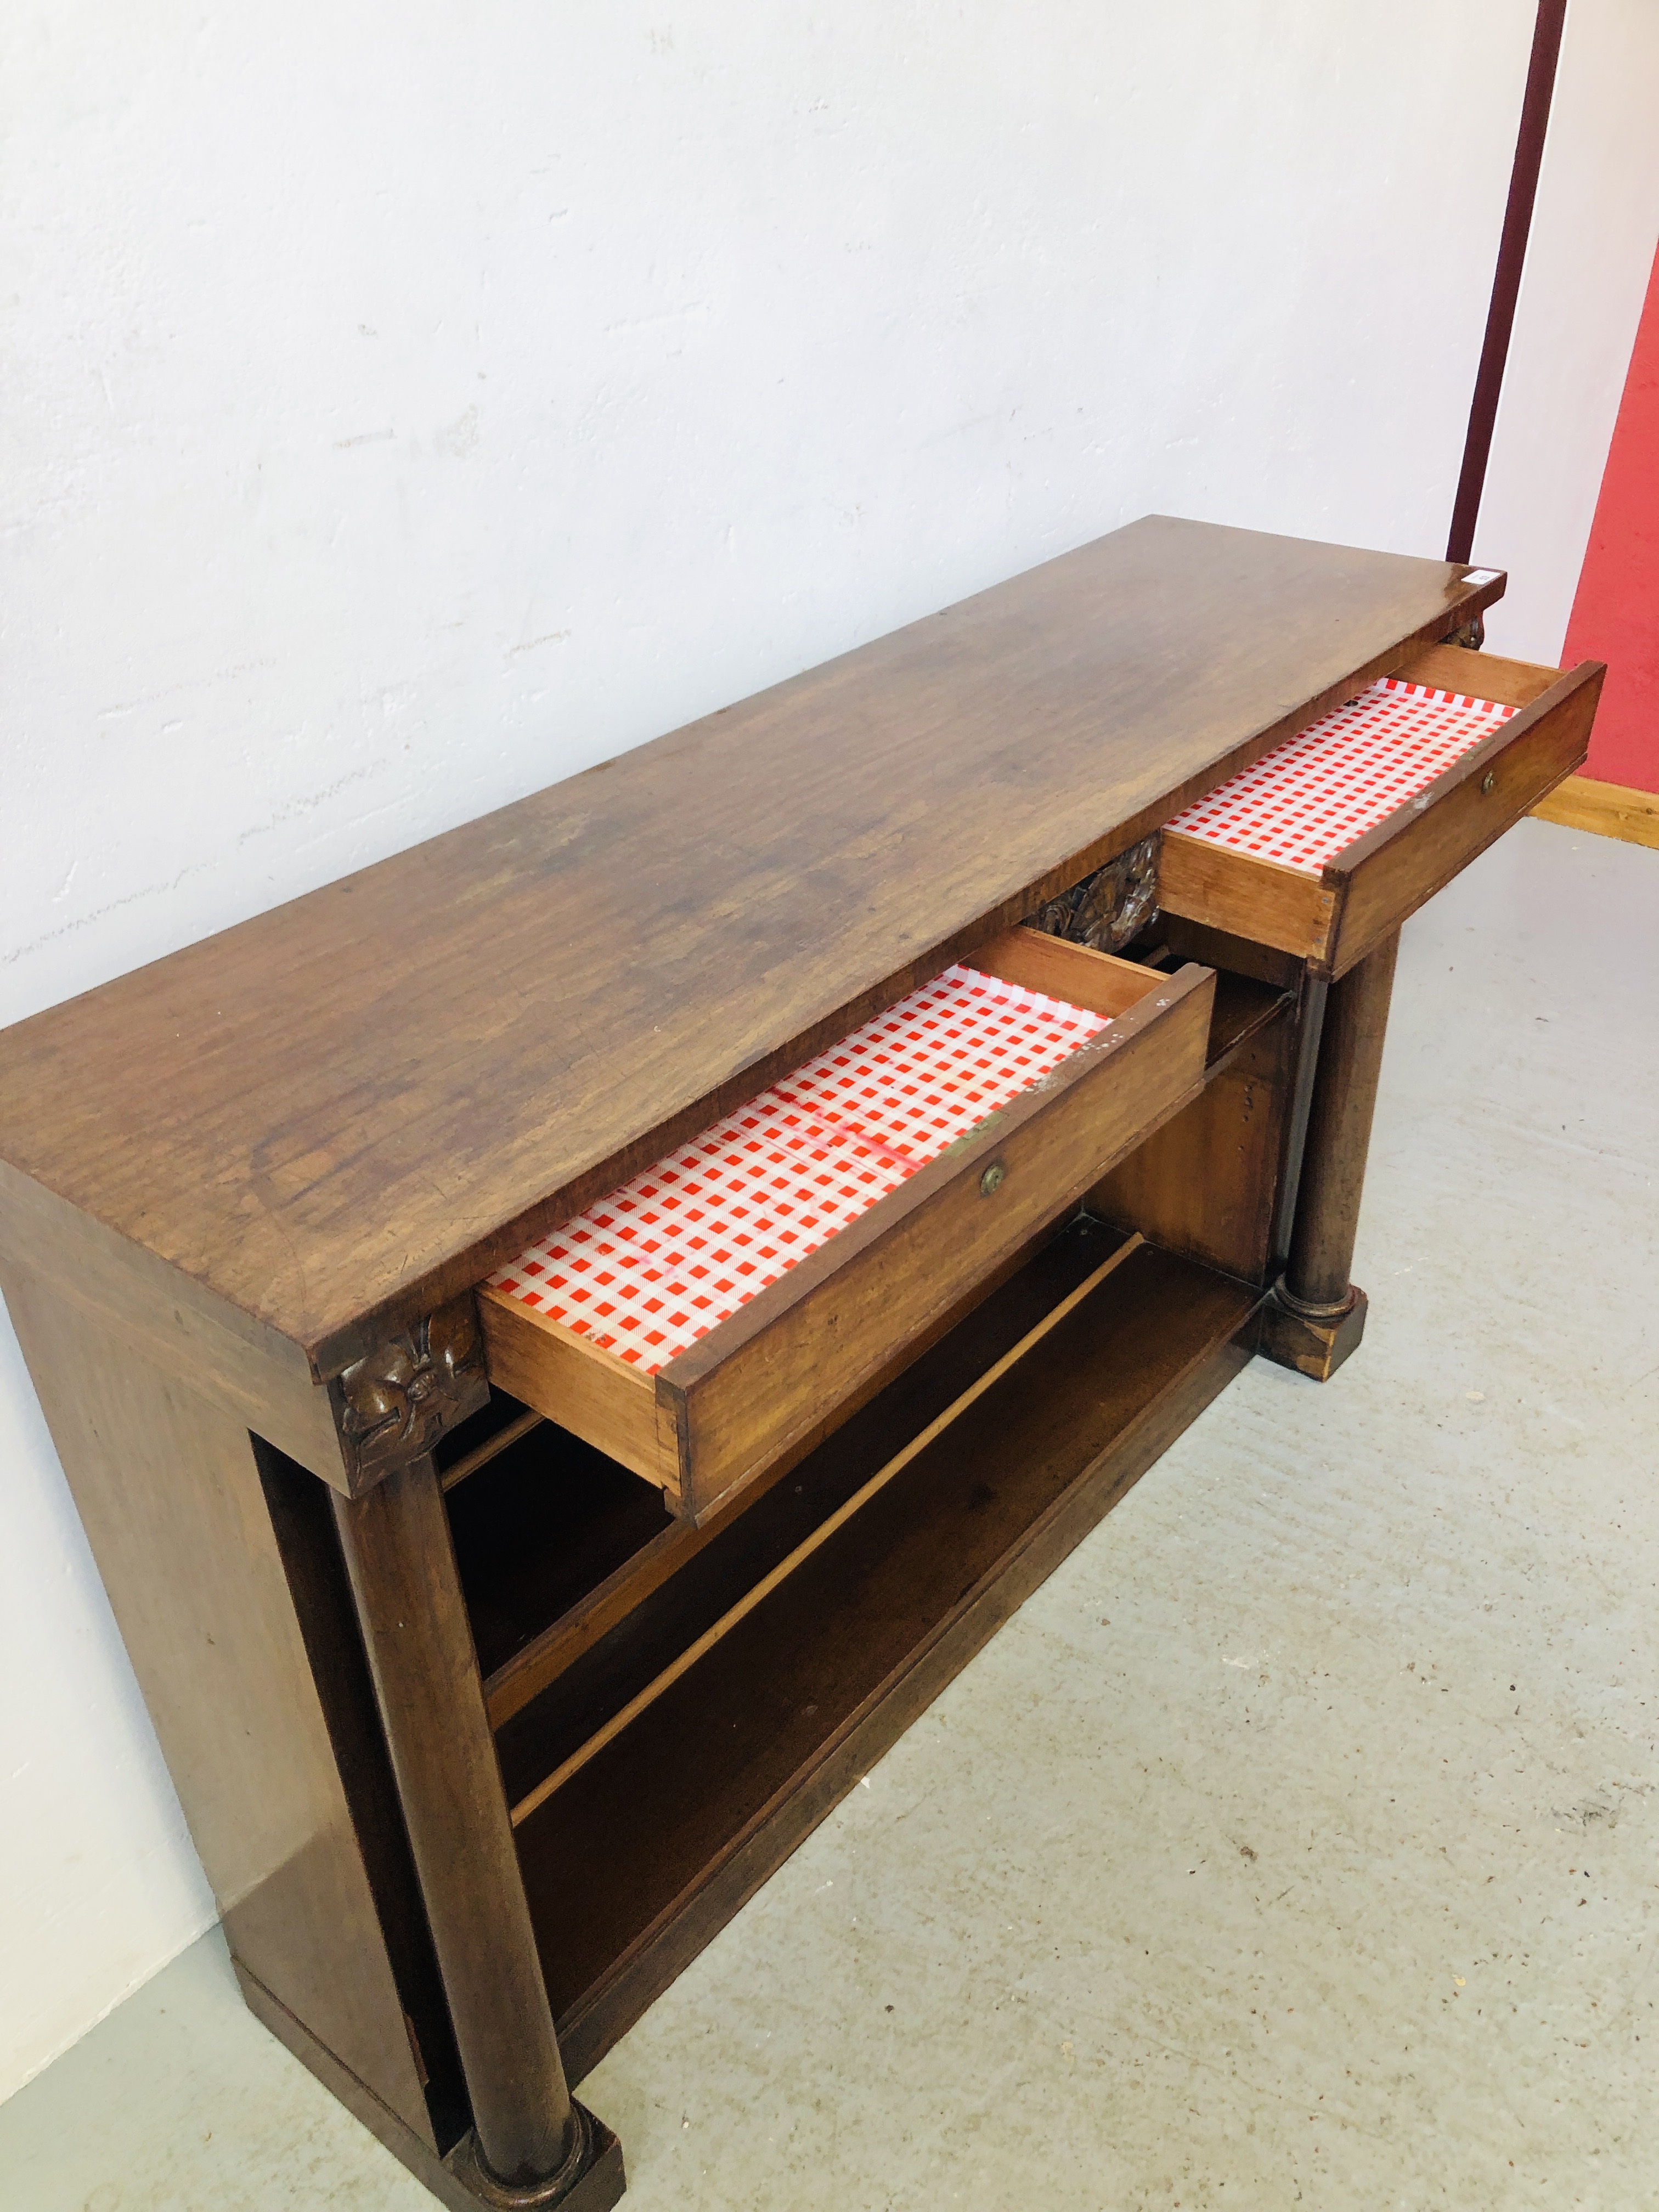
pixel 1615 612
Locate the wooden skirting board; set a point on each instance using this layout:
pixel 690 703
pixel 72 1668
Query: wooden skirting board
pixel 1611 810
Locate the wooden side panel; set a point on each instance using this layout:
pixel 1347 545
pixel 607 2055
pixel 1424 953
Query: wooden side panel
pixel 169 1492
pixel 1256 899
pixel 1411 856
pixel 581 1387
pixel 243 1367
pixel 747 1398
pixel 1205 1184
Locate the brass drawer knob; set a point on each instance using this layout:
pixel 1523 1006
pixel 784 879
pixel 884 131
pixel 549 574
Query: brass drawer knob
pixel 991 1182
pixel 1488 784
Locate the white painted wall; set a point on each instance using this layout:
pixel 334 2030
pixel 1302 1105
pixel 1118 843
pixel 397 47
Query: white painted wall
pixel 404 409
pixel 1587 263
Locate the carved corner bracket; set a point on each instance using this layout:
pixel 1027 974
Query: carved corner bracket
pixel 392 1406
pixel 1109 907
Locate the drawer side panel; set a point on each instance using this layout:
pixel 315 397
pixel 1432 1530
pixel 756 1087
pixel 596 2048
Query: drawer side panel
pixel 610 1404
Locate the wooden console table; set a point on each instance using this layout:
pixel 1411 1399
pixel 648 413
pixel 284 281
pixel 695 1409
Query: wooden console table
pixel 492 1677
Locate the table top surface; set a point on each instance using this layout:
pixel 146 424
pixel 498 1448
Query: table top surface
pixel 343 1111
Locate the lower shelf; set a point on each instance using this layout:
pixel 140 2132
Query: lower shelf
pixel 675 1821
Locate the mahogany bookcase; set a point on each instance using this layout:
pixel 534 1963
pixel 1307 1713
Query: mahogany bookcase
pixel 492 1685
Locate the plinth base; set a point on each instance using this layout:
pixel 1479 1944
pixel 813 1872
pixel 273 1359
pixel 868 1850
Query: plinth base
pixel 598 2187
pixel 1313 1344
pixel 453 2180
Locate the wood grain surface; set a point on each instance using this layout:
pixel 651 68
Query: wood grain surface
pixel 341 1114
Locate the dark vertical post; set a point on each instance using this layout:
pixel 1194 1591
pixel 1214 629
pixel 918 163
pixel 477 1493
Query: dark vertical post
pixel 1338 1131
pixel 1309 1026
pixel 1506 278
pixel 1316 1317
pixel 396 1539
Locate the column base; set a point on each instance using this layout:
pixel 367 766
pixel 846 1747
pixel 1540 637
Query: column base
pixel 454 2180
pixel 1313 1344
pixel 598 2182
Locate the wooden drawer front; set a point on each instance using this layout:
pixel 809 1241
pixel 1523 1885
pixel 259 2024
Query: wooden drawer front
pixel 1366 889
pixel 727 1407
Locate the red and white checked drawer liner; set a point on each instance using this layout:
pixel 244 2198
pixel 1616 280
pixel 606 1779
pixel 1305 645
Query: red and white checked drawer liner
pixel 657 1263
pixel 1321 791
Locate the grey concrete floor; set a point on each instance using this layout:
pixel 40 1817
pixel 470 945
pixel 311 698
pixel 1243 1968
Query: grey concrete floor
pixel 1292 1846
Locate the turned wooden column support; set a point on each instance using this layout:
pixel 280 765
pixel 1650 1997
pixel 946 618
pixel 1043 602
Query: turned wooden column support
pixel 1318 1317
pixel 531 2144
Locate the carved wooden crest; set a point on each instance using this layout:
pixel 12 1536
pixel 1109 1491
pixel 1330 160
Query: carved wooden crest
pixel 394 1404
pixel 1108 908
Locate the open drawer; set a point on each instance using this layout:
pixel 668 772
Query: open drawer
pixel 1331 839
pixel 864 1197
